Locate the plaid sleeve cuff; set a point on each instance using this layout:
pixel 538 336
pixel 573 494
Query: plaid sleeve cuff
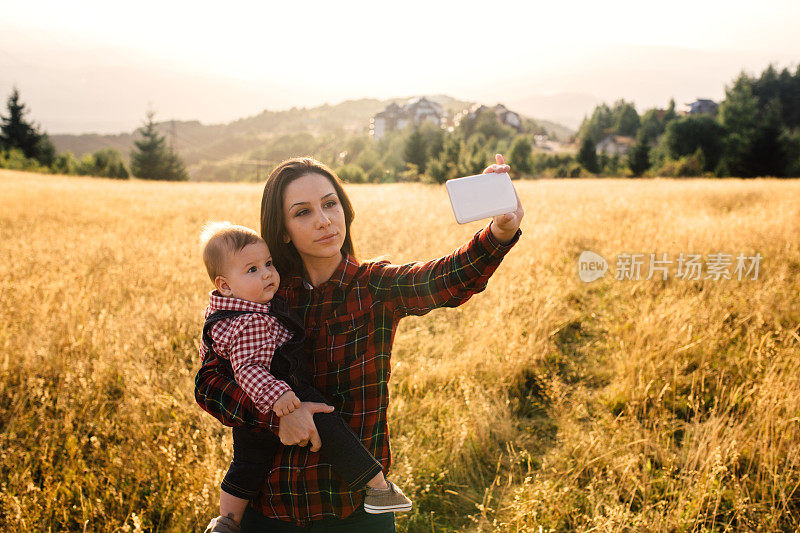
pixel 490 243
pixel 274 423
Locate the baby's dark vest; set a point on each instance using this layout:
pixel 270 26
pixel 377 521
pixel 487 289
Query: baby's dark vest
pixel 290 362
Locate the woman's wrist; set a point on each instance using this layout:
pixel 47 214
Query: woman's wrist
pixel 501 236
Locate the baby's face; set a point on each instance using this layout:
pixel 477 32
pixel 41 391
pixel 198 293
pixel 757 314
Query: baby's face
pixel 250 275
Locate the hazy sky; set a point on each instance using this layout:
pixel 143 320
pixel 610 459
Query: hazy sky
pixel 96 65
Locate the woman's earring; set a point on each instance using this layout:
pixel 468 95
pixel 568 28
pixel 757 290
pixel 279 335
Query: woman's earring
pixel 286 239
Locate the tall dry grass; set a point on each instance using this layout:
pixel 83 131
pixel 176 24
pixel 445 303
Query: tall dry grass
pixel 542 404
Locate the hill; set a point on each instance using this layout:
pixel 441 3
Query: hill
pixel 202 144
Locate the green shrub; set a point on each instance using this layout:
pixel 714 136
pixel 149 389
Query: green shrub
pixel 687 166
pixel 352 173
pixel 14 159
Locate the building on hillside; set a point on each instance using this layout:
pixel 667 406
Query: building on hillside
pixel 700 107
pixel 507 117
pixel 395 117
pixel 504 115
pixel 386 120
pixel 421 109
pixel 615 144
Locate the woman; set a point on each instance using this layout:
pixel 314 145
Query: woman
pixel 351 311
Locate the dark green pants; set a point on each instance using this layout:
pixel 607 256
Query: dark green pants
pixel 358 522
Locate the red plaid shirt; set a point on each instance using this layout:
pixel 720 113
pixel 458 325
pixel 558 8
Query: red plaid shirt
pixel 248 342
pixel 350 322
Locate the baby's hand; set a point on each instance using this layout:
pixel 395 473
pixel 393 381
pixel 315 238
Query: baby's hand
pixel 286 404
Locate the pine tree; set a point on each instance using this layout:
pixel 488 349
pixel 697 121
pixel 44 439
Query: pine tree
pixel 639 157
pixel 739 116
pixel 587 155
pixel 152 159
pixel 627 119
pixel 15 132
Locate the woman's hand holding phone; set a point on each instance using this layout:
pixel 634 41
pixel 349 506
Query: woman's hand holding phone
pixel 505 226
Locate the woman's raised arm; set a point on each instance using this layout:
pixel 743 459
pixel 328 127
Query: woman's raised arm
pixel 416 288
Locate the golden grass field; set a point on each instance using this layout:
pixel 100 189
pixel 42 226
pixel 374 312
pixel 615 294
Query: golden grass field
pixel 542 404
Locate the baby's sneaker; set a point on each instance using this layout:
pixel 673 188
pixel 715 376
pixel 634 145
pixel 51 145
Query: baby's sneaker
pixel 391 500
pixel 222 524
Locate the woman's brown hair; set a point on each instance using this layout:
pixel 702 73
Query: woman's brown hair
pixel 273 225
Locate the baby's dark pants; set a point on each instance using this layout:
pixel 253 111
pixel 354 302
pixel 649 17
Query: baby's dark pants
pixel 253 451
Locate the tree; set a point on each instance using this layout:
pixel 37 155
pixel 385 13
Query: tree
pixel 354 147
pixel 759 116
pixel 651 126
pixel 15 132
pixel 587 155
pixel 106 162
pixel 434 138
pixel 474 155
pixel 451 154
pixel 486 123
pixel 791 139
pixel 368 159
pixel 627 119
pixel 45 151
pixel 415 151
pixel 685 135
pixel 639 157
pixel 601 121
pixel 66 163
pixel 490 126
pixel 437 171
pixel 152 159
pixel 520 154
pixel 738 114
pixel 351 173
pixel 770 152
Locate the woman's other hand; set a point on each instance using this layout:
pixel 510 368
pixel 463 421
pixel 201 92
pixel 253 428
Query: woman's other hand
pixel 298 426
pixel 505 226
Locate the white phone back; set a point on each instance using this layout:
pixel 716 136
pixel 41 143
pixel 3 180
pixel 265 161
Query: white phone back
pixel 481 196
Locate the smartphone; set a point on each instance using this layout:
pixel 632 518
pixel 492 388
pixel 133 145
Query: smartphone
pixel 481 196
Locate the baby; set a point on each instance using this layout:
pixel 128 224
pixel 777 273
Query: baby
pixel 264 344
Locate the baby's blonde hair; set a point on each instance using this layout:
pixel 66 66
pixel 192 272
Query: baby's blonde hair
pixel 219 239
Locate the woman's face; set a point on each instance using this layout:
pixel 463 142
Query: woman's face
pixel 314 217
